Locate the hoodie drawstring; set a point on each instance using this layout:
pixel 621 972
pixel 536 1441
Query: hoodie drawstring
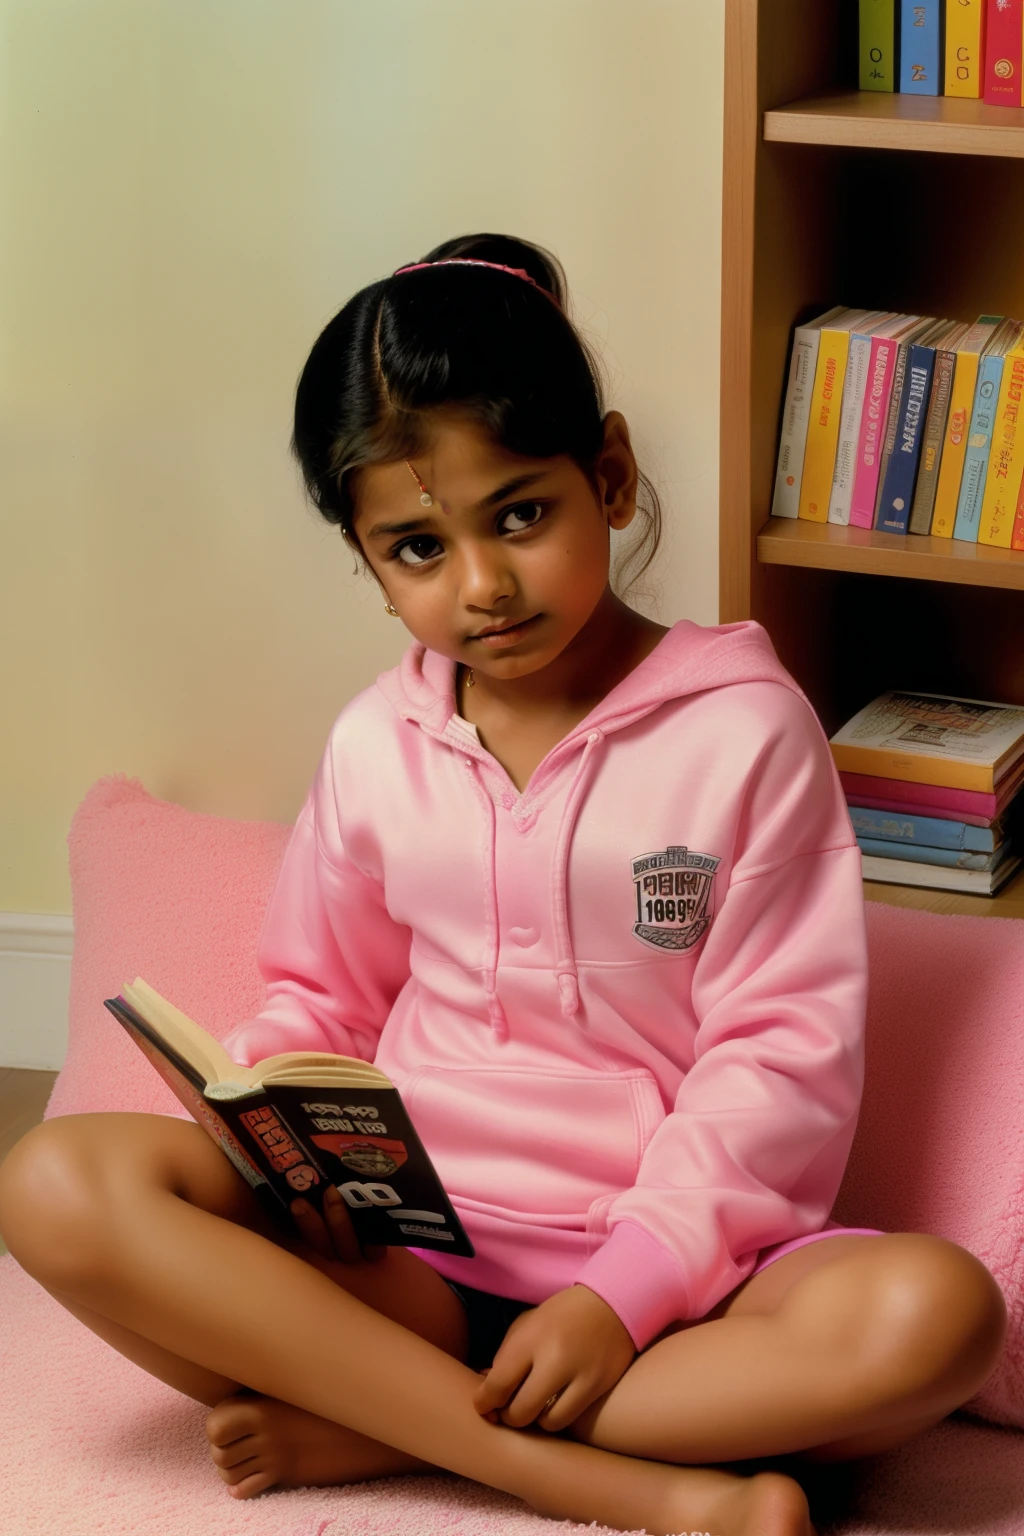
pixel 566 972
pixel 495 1012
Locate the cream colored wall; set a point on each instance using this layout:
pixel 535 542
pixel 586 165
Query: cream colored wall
pixel 192 188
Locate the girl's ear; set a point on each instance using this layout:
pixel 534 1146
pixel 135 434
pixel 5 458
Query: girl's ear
pixel 616 473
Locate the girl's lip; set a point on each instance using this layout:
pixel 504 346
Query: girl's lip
pixel 496 638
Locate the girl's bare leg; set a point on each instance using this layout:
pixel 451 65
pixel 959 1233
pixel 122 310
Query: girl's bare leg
pixel 108 1211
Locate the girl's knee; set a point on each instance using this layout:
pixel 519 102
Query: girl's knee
pixel 47 1209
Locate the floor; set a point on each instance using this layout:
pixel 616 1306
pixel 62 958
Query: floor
pixel 23 1097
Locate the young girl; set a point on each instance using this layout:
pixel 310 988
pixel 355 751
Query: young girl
pixel 586 889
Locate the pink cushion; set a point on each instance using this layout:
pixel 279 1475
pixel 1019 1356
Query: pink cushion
pixel 171 895
pixel 179 897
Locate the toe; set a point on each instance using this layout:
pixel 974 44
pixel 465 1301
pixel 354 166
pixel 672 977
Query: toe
pixel 257 1482
pixel 232 1455
pixel 232 1418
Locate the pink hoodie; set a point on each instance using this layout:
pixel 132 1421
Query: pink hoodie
pixel 624 1008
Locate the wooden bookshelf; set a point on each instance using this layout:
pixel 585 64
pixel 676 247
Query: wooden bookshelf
pixel 831 196
pixel 939 125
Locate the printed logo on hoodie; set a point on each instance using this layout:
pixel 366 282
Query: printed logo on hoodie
pixel 674 897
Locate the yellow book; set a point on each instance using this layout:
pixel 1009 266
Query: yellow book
pixel 964 32
pixel 823 425
pixel 954 440
pixel 1006 461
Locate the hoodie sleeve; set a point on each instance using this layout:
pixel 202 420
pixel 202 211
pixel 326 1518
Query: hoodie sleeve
pixel 332 957
pixel 756 1145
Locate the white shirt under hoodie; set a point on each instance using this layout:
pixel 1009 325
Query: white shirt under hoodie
pixel 624 1007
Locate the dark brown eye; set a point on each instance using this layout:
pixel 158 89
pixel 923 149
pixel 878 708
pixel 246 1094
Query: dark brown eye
pixel 526 515
pixel 416 551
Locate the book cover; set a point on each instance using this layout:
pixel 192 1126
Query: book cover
pixel 930 738
pixel 979 440
pixel 823 424
pixel 887 794
pixel 1006 460
pixel 904 830
pixel 961 404
pixel 874 415
pixel 919 853
pixel 921 47
pixel 1017 538
pixel 934 431
pixel 803 362
pixel 897 493
pixel 892 419
pixel 905 872
pixel 1004 44
pixel 878 45
pixel 965 47
pixel 854 387
pixel 290 1135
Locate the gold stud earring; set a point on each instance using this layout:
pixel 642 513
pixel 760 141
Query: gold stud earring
pixel 392 613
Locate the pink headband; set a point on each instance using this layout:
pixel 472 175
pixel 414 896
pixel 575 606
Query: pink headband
pixel 469 261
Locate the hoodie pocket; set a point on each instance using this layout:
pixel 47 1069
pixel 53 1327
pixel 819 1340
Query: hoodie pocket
pixel 534 1145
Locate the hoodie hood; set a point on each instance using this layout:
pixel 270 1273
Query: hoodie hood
pixel 689 659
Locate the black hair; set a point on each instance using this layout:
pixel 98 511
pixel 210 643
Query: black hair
pixel 486 343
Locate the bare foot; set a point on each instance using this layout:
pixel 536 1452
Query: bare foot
pixel 259 1443
pixel 721 1504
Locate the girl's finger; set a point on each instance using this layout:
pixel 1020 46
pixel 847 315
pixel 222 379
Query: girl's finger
pixel 499 1385
pixel 343 1237
pixel 312 1228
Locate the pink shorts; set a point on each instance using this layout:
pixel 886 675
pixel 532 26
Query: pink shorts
pixel 830 1229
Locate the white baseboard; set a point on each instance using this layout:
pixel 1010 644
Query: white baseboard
pixel 35 978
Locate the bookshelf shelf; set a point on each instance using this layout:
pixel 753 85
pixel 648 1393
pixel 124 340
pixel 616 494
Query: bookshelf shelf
pixel 1008 903
pixel 813 215
pixel 875 120
pixel 827 547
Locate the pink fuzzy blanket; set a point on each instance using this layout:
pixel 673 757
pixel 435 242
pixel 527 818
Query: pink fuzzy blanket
pixel 90 1443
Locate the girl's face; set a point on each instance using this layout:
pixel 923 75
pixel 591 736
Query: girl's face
pixel 504 570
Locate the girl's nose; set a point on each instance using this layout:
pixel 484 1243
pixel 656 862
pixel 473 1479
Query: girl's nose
pixel 486 579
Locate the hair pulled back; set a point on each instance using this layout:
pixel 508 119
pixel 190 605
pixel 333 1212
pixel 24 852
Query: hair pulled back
pixel 466 338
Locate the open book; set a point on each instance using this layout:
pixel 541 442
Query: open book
pixel 296 1123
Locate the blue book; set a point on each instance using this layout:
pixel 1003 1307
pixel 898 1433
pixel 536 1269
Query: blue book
pixel 897 496
pixel 921 47
pixel 919 854
pixel 893 827
pixel 979 446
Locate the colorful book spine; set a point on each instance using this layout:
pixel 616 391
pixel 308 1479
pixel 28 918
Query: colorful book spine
pixel 795 416
pixel 965 47
pixel 930 831
pixel 823 426
pixel 961 404
pixel 1017 539
pixel 1006 462
pixel 892 422
pixel 1004 45
pixel 937 799
pixel 931 443
pixel 877 394
pixel 854 387
pixel 921 47
pixel 915 808
pixel 901 474
pixel 905 872
pixel 878 45
pixel 950 858
pixel 979 446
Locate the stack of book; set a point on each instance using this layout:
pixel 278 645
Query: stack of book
pixel 906 424
pixel 971 48
pixel 934 789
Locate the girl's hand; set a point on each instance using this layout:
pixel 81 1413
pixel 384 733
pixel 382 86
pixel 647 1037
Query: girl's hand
pixel 333 1238
pixel 573 1344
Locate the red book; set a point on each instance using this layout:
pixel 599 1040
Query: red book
pixel 934 800
pixel 1017 537
pixel 1004 52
